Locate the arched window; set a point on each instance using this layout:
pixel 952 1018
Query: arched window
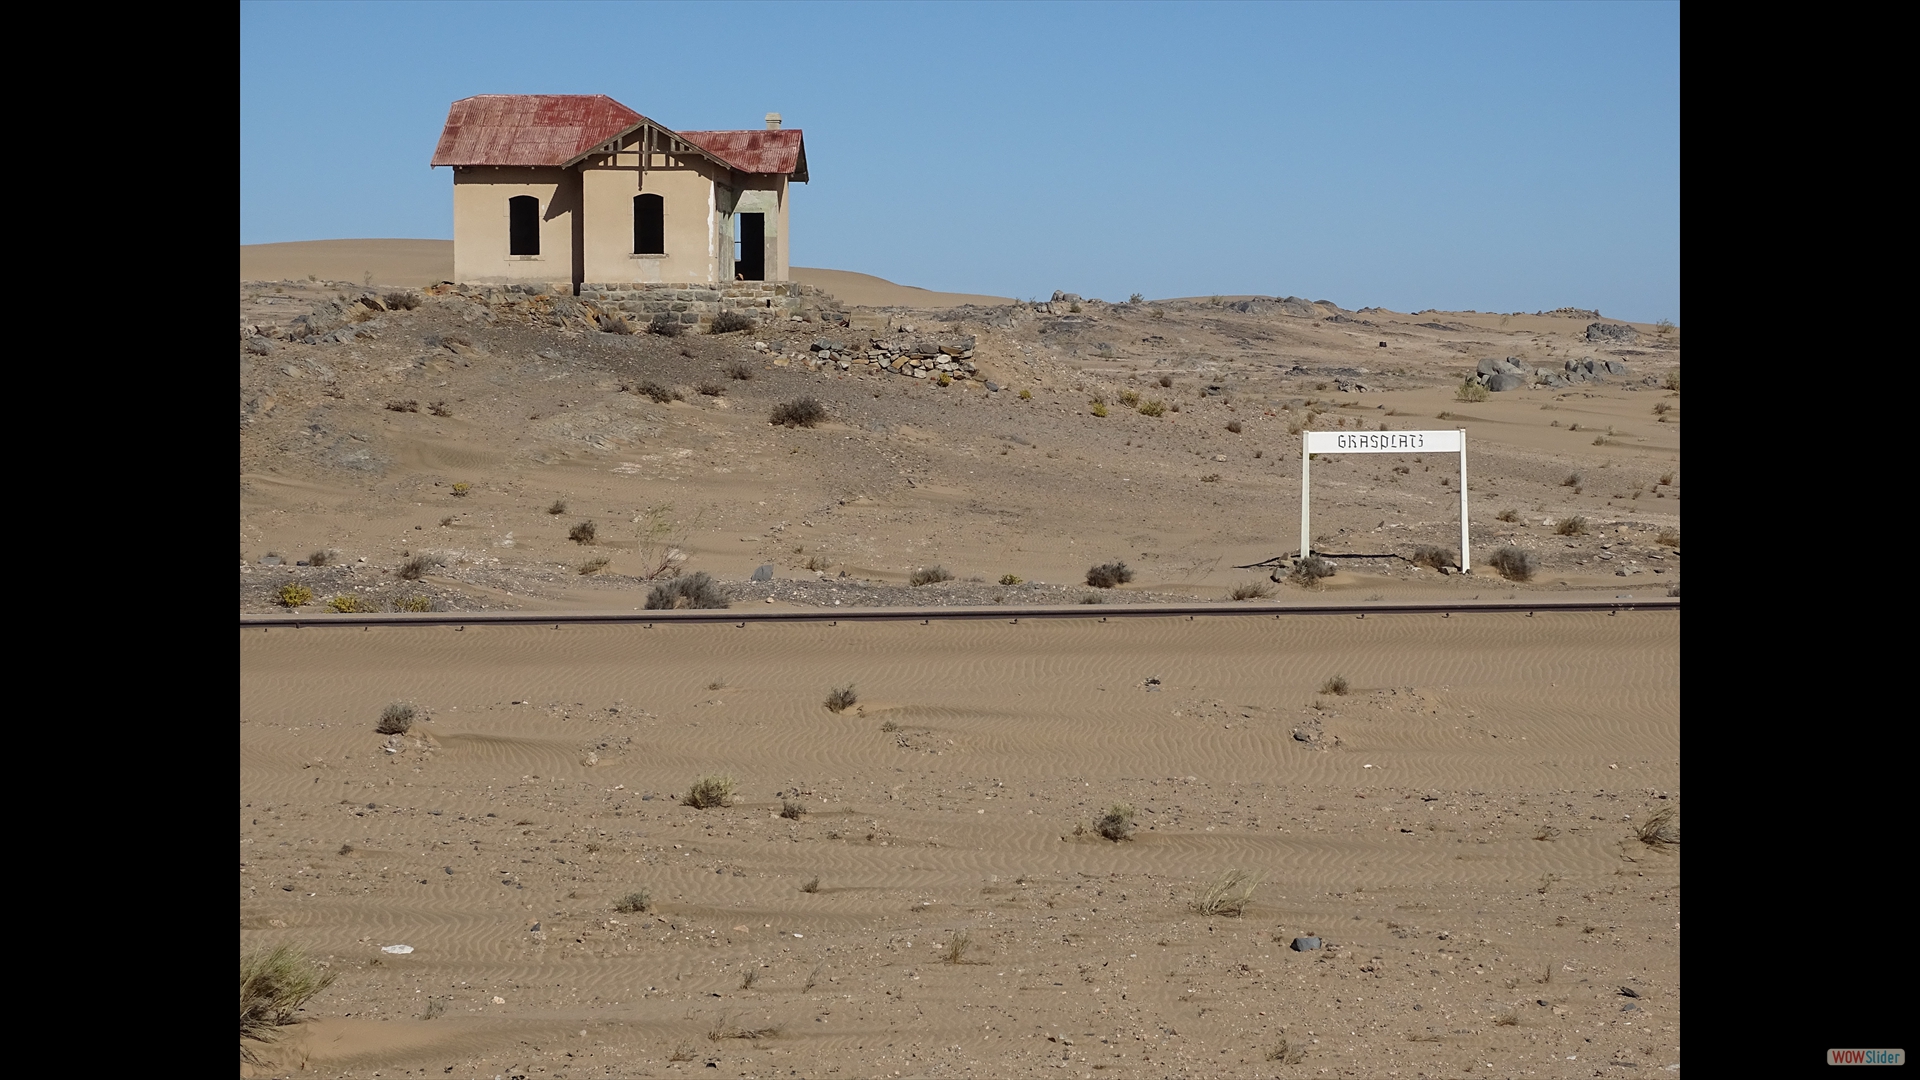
pixel 523 214
pixel 649 225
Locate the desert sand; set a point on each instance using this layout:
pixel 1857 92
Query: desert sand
pixel 1458 828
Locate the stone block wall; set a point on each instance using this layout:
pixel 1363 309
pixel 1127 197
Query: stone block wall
pixel 696 304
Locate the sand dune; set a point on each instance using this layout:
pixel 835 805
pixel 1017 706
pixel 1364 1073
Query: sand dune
pixel 1407 834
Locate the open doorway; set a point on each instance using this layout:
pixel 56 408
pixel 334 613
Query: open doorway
pixel 750 247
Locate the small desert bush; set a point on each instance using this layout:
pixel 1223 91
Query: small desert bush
pixel 1099 408
pixel 710 389
pixel 841 699
pixel 660 394
pixel 347 604
pixel 818 563
pixel 395 719
pixel 665 325
pixel 1153 408
pixel 1661 408
pixel 1228 895
pixel 1250 590
pixel 402 301
pixel 812 886
pixel 594 565
pixel 403 406
pixel 417 567
pixel 1166 382
pixel 274 985
pixel 320 558
pixel 1573 479
pixel 955 951
pixel 1666 479
pixel 1310 571
pixel 1431 557
pixel 460 490
pixel 791 810
pixel 1672 381
pixel 1026 395
pixel 1514 564
pixel 1471 391
pixel 1130 398
pixel 293 595
pixel 800 412
pixel 731 322
pixel 1011 579
pixel 613 323
pixel 1571 526
pixel 558 507
pixel 709 791
pixel 1668 538
pixel 1659 830
pixel 440 408
pixel 1508 515
pixel 583 533
pixel 1336 685
pixel 1234 426
pixel 634 902
pixel 1116 824
pixel 413 603
pixel 740 370
pixel 1210 478
pixel 928 575
pixel 1093 598
pixel 1108 575
pixel 695 590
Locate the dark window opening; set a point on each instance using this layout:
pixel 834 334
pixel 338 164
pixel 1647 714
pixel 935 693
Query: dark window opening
pixel 649 225
pixel 750 257
pixel 523 215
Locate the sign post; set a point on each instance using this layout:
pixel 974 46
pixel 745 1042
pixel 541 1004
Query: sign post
pixel 1381 442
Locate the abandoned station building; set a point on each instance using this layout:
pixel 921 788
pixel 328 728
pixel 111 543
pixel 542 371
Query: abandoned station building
pixel 578 188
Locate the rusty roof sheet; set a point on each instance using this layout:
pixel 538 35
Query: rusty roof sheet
pixel 782 152
pixel 529 129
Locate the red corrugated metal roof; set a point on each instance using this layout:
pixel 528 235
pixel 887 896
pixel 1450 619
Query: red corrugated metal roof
pixel 782 151
pixel 529 129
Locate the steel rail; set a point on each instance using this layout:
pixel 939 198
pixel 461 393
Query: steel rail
pixel 1103 613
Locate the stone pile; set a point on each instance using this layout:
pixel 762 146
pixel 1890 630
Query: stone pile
pixel 1511 373
pixel 917 356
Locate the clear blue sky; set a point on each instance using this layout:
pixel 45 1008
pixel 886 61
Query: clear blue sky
pixel 1498 157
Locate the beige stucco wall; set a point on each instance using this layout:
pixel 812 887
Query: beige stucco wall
pixel 481 230
pixel 767 195
pixel 687 190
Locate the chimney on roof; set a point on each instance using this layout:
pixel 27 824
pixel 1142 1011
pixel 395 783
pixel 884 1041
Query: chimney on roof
pixel 773 121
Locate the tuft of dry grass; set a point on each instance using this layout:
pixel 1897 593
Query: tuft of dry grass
pixel 1668 538
pixel 1514 564
pixel 558 507
pixel 955 950
pixel 740 370
pixel 594 565
pixel 812 886
pixel 1336 685
pixel 800 412
pixel 1571 526
pixel 1116 824
pixel 1228 895
pixel 1509 515
pixel 395 719
pixel 634 903
pixel 1659 831
pixel 841 699
pixel 929 575
pixel 708 792
pixel 1109 575
pixel 583 533
pixel 274 986
pixel 727 1029
pixel 1250 590
pixel 791 810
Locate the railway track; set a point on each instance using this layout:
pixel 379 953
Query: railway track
pixel 1104 613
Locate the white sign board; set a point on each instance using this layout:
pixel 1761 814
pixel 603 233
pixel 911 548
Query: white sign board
pixel 1384 442
pixel 1381 442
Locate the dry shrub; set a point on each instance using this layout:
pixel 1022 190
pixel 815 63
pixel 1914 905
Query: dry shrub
pixel 660 394
pixel 594 565
pixel 731 322
pixel 841 699
pixel 558 507
pixel 800 412
pixel 348 604
pixel 929 575
pixel 1234 426
pixel 634 902
pixel 665 325
pixel 695 590
pixel 1153 408
pixel 1336 685
pixel 440 408
pixel 402 301
pixel 1228 895
pixel 583 533
pixel 955 951
pixel 1130 398
pixel 395 719
pixel 1659 831
pixel 740 370
pixel 413 603
pixel 1310 571
pixel 1116 824
pixel 709 791
pixel 1471 391
pixel 1668 538
pixel 403 406
pixel 1108 575
pixel 1508 515
pixel 1250 590
pixel 812 886
pixel 791 810
pixel 1433 558
pixel 417 567
pixel 1011 579
pixel 292 595
pixel 1286 1053
pixel 1099 408
pixel 1166 382
pixel 1514 564
pixel 613 323
pixel 710 389
pixel 727 1029
pixel 320 558
pixel 1571 526
pixel 274 985
pixel 1573 479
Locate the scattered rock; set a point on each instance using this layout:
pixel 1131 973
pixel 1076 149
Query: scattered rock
pixel 1304 944
pixel 1602 331
pixel 764 572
